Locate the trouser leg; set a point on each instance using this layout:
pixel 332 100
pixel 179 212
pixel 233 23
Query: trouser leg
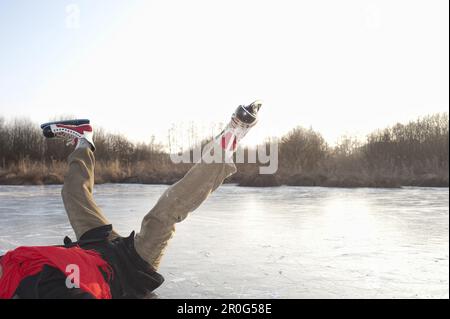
pixel 77 193
pixel 174 206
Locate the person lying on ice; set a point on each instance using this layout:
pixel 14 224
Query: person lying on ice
pixel 108 265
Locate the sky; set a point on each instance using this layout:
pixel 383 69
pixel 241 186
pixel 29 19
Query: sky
pixel 138 67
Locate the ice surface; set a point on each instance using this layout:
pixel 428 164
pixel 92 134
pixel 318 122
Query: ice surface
pixel 287 242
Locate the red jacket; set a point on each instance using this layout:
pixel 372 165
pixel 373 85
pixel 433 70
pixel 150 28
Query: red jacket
pixel 27 261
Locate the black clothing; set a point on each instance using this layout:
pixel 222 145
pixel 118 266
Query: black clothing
pixel 132 277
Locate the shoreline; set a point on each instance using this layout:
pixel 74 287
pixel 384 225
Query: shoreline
pixel 411 154
pixel 270 182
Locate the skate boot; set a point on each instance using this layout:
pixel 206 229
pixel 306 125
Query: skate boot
pixel 243 119
pixel 74 132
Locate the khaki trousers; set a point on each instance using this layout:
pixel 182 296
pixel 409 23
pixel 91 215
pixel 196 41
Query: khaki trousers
pixel 158 225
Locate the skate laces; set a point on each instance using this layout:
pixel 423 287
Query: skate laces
pixel 236 123
pixel 239 128
pixel 67 138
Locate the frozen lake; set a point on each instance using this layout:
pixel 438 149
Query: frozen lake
pixel 282 242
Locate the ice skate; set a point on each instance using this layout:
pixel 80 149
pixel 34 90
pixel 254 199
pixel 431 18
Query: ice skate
pixel 74 132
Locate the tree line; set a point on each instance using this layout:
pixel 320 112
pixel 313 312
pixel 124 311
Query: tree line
pixel 415 154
